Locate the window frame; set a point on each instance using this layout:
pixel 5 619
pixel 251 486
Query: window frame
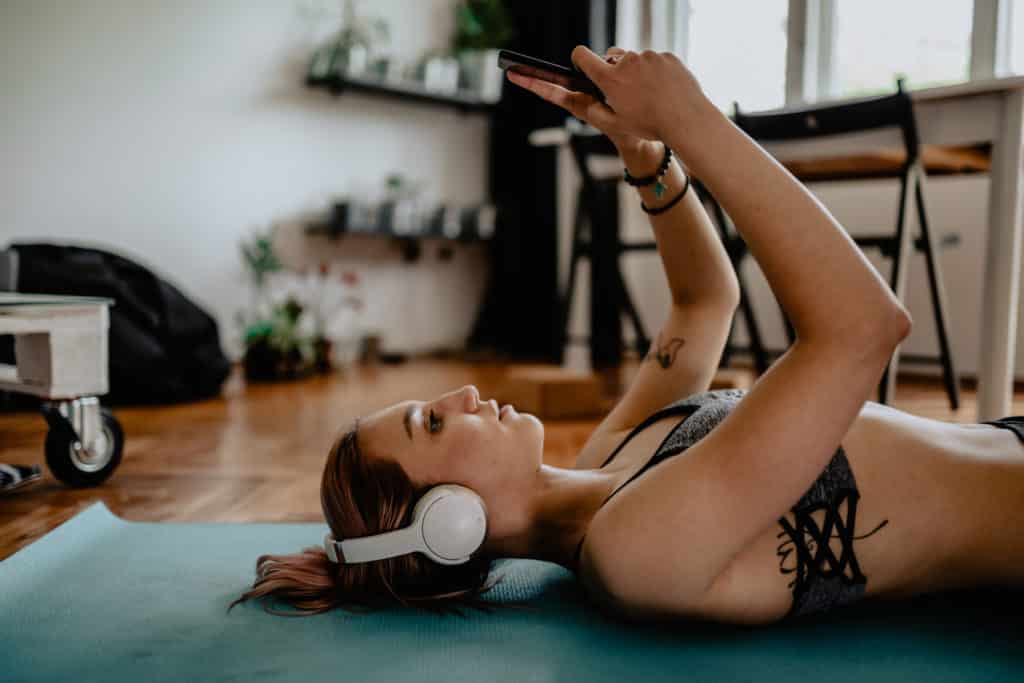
pixel 810 40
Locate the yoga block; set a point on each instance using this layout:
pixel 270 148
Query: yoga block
pixel 550 391
pixel 732 379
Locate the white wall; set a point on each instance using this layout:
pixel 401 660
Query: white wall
pixel 168 130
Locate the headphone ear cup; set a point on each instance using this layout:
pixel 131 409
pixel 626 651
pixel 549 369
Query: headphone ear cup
pixel 453 521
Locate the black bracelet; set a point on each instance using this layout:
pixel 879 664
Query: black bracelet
pixel 650 179
pixel 663 209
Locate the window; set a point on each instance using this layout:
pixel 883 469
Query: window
pixel 737 50
pixel 877 41
pixel 1016 36
pixel 740 50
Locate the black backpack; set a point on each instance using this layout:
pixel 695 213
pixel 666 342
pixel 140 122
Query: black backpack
pixel 163 348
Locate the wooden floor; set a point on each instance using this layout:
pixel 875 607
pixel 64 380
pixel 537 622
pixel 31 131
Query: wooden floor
pixel 256 453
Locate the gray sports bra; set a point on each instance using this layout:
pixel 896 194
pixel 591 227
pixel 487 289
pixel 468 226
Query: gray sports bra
pixel 822 579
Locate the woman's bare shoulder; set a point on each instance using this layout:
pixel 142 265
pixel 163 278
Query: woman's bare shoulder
pixel 619 590
pixel 614 584
pixel 598 572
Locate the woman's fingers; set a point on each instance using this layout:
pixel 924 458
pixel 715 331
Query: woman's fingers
pixel 613 54
pixel 599 115
pixel 580 105
pixel 589 63
pixel 555 94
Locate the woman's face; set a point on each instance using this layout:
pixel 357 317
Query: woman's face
pixel 458 439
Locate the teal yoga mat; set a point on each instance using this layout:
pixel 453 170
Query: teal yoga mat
pixel 102 599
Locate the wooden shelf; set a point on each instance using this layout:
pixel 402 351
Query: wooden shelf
pixel 410 92
pixel 465 224
pixel 451 224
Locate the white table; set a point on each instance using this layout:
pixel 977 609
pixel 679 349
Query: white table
pixel 989 111
pixel 60 345
pixel 61 350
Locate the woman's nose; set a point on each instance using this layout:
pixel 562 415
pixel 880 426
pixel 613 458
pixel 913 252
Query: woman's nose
pixel 469 396
pixel 463 400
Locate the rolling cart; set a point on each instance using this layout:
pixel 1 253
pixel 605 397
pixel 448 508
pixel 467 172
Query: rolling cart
pixel 60 348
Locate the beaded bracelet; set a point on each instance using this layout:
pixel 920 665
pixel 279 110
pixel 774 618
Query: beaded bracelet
pixel 659 187
pixel 663 209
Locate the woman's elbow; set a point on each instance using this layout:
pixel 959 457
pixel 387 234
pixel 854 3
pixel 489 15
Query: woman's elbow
pixel 882 337
pixel 727 293
pixel 726 297
pixel 902 325
pixel 733 292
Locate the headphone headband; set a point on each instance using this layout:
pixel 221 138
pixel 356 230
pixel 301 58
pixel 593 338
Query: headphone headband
pixel 449 524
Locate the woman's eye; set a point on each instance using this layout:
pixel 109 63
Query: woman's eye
pixel 433 423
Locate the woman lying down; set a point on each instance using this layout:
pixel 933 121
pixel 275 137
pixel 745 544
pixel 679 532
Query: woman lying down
pixel 794 497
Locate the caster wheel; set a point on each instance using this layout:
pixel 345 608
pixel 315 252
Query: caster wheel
pixel 78 467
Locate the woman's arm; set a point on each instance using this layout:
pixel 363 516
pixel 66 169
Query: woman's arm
pixel 696 265
pixel 668 541
pixel 684 353
pixel 799 246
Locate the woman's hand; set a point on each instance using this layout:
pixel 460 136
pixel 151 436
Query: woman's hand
pixel 645 95
pixel 584 107
pixel 627 144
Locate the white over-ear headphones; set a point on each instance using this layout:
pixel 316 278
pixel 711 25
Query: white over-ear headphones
pixel 449 524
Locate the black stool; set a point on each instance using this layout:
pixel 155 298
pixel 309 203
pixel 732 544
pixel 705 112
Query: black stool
pixel 856 117
pixel 596 236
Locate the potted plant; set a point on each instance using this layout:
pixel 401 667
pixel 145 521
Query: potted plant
pixel 298 323
pixel 275 346
pixel 336 306
pixel 260 261
pixel 481 28
pixel 349 53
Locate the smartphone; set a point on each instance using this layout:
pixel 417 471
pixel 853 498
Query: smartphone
pixel 569 78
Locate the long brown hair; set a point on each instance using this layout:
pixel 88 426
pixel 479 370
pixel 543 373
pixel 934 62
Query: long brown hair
pixel 362 496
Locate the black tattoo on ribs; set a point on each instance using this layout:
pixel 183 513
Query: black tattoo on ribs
pixel 809 541
pixel 824 576
pixel 666 354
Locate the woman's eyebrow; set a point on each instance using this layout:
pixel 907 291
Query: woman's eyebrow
pixel 407 420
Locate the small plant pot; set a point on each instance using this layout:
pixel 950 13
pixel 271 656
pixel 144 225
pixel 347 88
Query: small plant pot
pixel 264 363
pixel 322 362
pixel 480 73
pixel 346 351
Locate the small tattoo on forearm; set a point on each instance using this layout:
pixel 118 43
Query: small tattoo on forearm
pixel 666 354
